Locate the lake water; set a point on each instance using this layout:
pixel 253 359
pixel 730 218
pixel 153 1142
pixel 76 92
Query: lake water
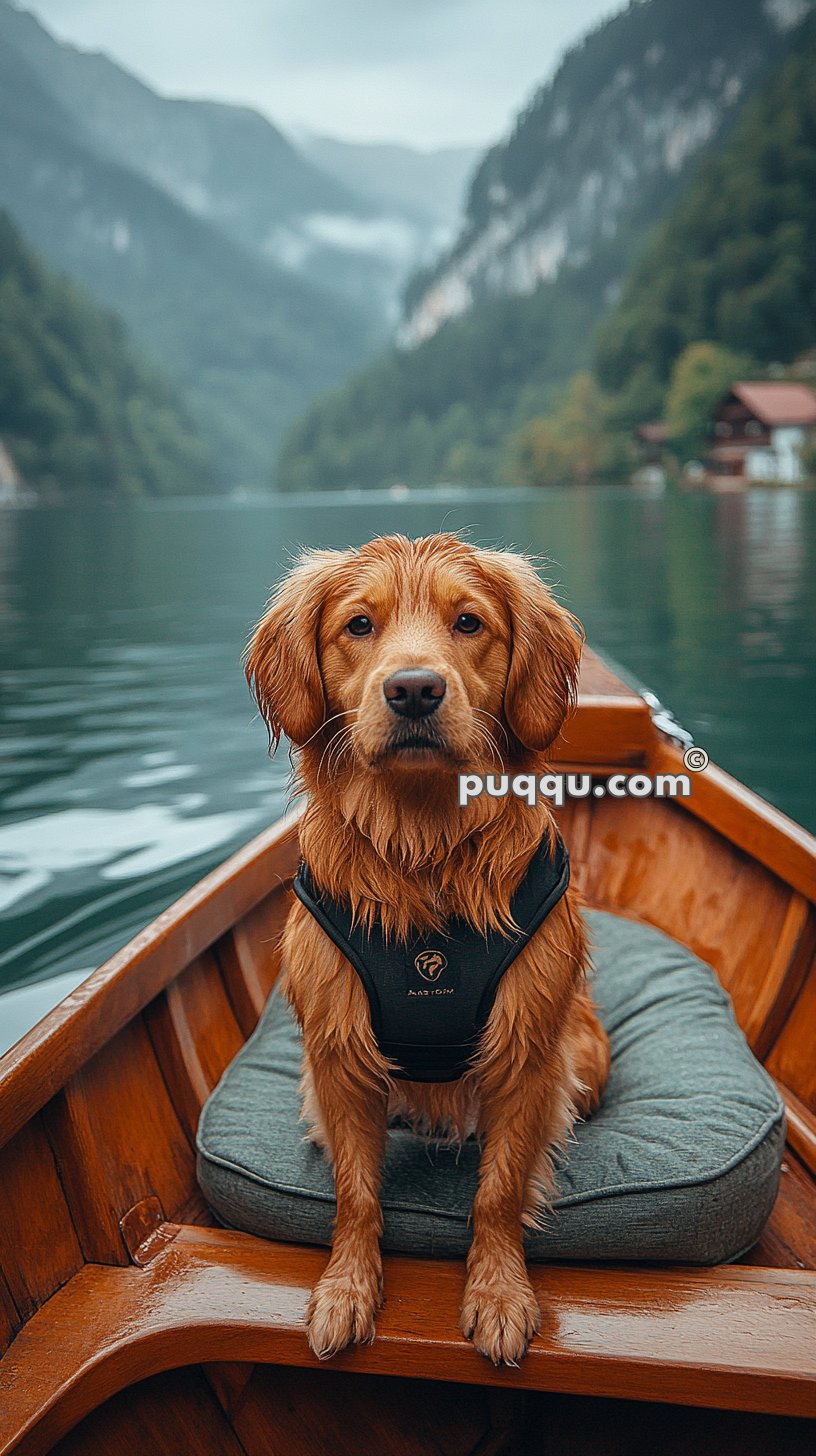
pixel 131 760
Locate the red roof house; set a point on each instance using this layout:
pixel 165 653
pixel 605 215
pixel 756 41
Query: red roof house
pixel 758 431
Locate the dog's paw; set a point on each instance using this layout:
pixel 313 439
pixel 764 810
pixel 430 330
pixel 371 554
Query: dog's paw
pixel 500 1316
pixel 341 1311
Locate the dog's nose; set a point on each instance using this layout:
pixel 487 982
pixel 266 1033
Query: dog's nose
pixel 415 692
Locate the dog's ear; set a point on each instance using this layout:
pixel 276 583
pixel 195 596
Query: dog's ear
pixel 542 682
pixel 281 661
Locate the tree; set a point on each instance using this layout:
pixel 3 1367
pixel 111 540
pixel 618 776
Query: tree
pixel 732 261
pixel 574 444
pixel 79 409
pixel 702 374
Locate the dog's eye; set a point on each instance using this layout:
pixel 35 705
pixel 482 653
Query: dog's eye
pixel 468 623
pixel 360 626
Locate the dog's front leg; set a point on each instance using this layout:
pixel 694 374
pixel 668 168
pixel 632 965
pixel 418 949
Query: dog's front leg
pixel 347 1297
pixel 520 1118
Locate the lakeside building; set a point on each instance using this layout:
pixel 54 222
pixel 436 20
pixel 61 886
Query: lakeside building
pixel 759 432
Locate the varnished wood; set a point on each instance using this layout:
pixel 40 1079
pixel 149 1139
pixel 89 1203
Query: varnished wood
pixel 249 957
pixel 609 714
pixel 598 680
pixel 171 1415
pixel 621 724
pixel 105 1280
pixel 195 1036
pixel 592 1426
pixel 287 1412
pixel 291 1411
pixel 723 905
pixel 308 1413
pixel 801 1127
pixel 39 1249
pixel 10 1320
pixel 765 834
pixel 776 993
pixel 788 1240
pixel 736 1338
pixel 120 1141
pixel 792 1058
pixel 230 1381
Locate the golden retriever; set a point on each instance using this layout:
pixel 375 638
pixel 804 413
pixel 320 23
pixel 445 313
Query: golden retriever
pixel 492 665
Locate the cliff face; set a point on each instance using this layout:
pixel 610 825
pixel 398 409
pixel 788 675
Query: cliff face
pixel 601 149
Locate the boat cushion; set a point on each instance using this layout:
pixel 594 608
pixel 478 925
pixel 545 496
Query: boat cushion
pixel 681 1161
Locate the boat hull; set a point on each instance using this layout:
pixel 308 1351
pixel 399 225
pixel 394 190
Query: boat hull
pixel 119 1299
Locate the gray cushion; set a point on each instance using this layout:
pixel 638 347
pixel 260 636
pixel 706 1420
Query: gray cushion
pixel 681 1162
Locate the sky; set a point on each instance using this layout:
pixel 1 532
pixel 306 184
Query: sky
pixel 428 72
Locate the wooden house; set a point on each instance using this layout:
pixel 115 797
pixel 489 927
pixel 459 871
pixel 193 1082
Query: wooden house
pixel 758 432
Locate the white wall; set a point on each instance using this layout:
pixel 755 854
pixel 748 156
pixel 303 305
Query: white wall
pixel 781 460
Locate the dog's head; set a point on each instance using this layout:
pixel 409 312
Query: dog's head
pixel 416 656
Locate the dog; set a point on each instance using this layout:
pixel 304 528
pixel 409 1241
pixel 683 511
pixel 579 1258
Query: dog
pixel 392 668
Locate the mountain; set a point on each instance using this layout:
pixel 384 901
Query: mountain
pixel 248 342
pixel 225 163
pixel 556 218
pixel 601 148
pixel 79 409
pixel 297 207
pixel 734 261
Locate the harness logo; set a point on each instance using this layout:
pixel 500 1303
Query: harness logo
pixel 430 964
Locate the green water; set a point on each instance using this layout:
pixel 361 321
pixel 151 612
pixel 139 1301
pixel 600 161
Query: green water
pixel 130 757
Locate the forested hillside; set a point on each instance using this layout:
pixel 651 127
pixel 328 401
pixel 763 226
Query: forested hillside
pixel 726 289
pixel 445 409
pixel 603 146
pixel 454 406
pixel 79 410
pixel 735 261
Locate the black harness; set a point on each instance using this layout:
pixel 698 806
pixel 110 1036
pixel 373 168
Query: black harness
pixel 431 996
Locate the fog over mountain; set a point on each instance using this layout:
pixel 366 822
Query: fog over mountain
pixel 255 276
pixel 424 73
pixel 334 213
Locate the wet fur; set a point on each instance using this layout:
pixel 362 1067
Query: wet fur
pixel 383 830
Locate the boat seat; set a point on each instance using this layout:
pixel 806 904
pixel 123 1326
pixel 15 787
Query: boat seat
pixel 681 1162
pixel 738 1337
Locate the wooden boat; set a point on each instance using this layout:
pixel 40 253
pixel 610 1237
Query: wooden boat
pixel 130 1323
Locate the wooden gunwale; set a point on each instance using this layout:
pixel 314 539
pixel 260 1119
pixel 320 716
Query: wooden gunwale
pixel 218 1296
pixel 745 819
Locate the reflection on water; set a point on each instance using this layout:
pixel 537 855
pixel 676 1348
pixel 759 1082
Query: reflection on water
pixel 130 757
